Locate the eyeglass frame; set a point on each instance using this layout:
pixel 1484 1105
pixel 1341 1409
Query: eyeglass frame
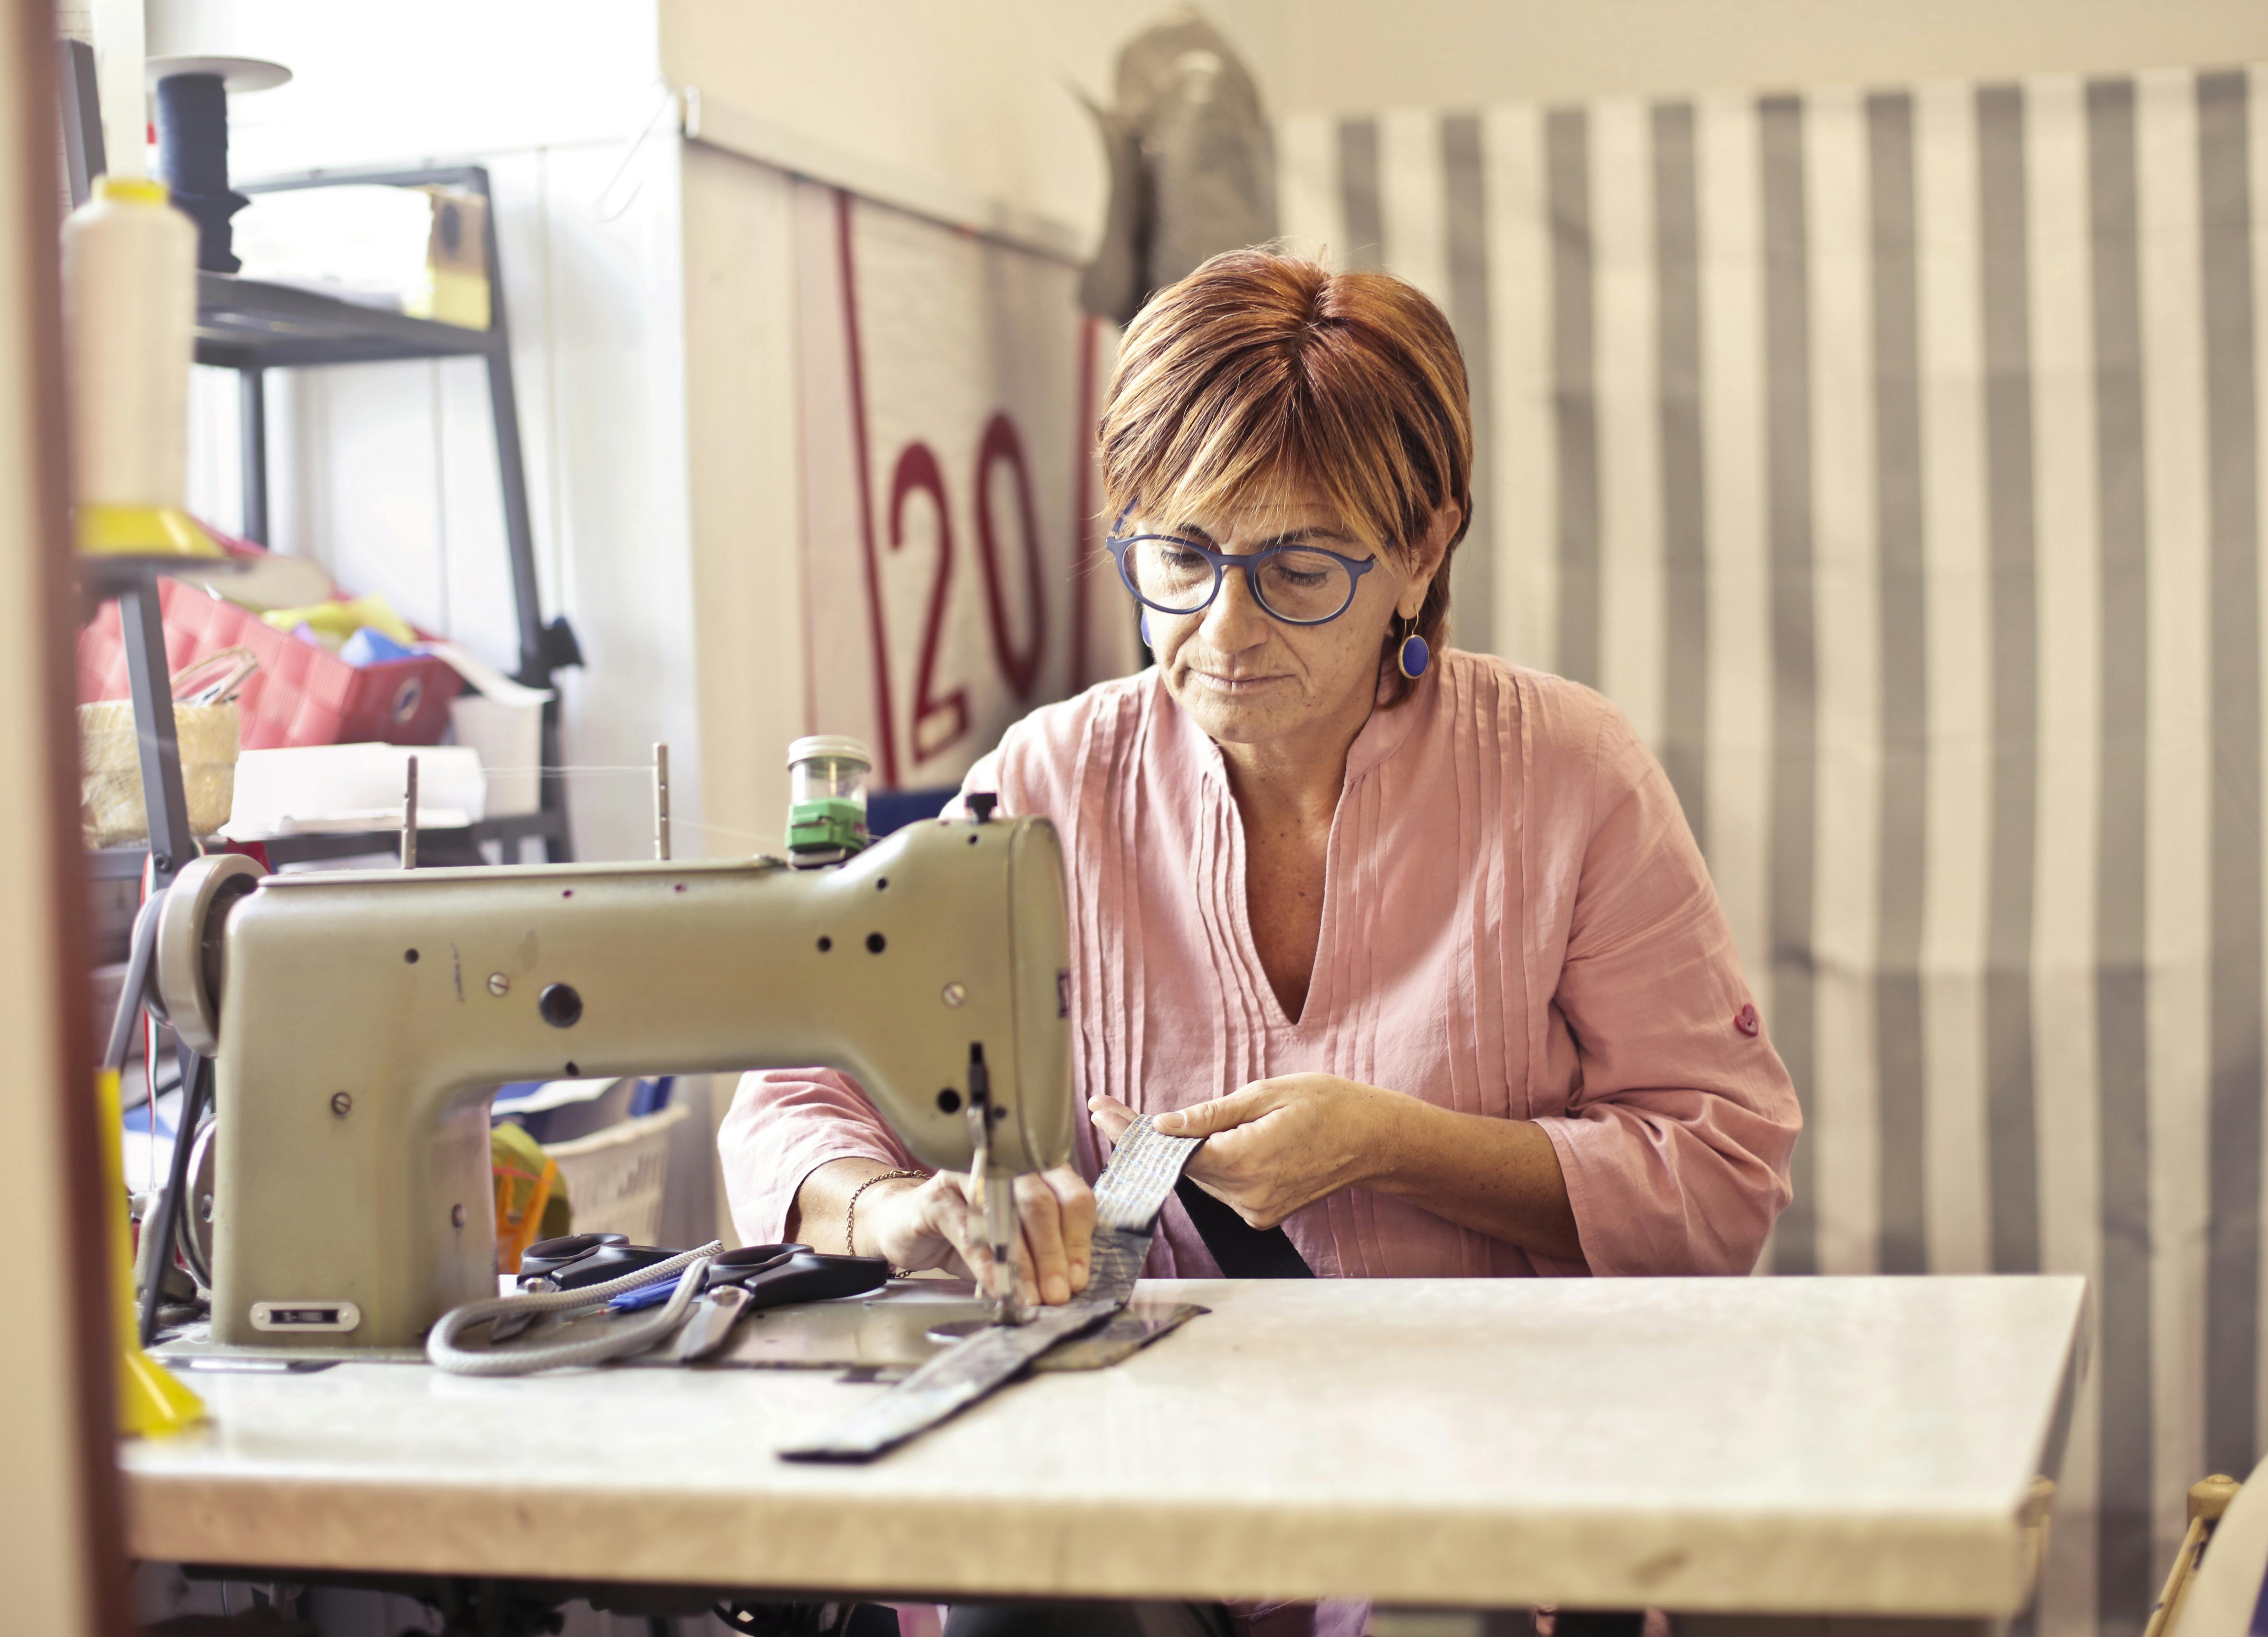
pixel 1223 562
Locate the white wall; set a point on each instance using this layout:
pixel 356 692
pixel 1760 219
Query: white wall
pixel 386 474
pixel 976 93
pixel 412 79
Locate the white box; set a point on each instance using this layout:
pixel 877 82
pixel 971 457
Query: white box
pixel 509 740
pixel 316 789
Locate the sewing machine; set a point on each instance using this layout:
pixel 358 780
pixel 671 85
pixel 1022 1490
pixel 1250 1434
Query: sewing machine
pixel 361 1023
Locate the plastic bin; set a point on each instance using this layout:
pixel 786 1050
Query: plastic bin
pixel 301 694
pixel 616 1177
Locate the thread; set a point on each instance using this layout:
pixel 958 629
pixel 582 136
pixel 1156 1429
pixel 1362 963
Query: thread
pixel 129 308
pixel 193 160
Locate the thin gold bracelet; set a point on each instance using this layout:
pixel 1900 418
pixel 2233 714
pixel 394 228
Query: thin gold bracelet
pixel 851 1216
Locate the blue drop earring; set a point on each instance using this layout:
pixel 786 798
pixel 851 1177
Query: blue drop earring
pixel 1146 630
pixel 1413 656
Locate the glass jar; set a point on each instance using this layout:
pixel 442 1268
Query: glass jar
pixel 827 778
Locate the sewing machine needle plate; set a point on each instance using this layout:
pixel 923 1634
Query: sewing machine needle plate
pixel 1128 1197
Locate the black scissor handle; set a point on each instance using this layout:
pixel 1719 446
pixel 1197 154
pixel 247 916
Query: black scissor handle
pixel 809 1277
pixel 549 1256
pixel 611 1258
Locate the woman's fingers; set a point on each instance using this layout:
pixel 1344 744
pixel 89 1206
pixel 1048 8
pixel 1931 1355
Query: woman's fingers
pixel 1203 1119
pixel 912 1226
pixel 936 1225
pixel 1111 1117
pixel 1076 1201
pixel 959 1225
pixel 1045 1261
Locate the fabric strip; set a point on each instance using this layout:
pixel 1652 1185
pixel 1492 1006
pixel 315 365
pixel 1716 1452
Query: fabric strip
pixel 1128 1197
pixel 2122 984
pixel 1684 533
pixel 2004 235
pixel 1795 754
pixel 1903 590
pixel 2233 1251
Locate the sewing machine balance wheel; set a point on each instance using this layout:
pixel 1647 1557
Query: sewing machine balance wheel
pixel 189 947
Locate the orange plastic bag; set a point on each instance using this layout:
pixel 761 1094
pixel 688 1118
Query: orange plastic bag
pixel 531 1196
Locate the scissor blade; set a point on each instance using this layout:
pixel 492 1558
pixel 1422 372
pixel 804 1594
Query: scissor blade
pixel 711 1324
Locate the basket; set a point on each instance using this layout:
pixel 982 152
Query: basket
pixel 615 1177
pixel 301 694
pixel 111 810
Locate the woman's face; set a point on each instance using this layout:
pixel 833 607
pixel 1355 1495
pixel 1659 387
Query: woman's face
pixel 1246 677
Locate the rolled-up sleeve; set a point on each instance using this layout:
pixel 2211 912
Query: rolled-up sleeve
pixel 1675 1144
pixel 784 1124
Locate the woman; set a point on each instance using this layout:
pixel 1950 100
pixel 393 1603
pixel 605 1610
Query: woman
pixel 1418 940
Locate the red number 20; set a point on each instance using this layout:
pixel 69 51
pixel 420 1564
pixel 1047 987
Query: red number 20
pixel 942 722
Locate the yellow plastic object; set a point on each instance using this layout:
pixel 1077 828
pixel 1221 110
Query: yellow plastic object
pixel 138 190
pixel 342 620
pixel 113 531
pixel 151 1404
pixel 530 1194
pixel 451 297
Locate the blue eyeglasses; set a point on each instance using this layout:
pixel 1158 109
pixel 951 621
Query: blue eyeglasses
pixel 1298 584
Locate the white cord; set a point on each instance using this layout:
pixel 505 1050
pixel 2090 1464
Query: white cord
pixel 624 1337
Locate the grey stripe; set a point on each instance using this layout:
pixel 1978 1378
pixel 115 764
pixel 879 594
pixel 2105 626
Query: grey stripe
pixel 1359 206
pixel 1684 532
pixel 2233 1250
pixel 1472 580
pixel 1787 428
pixel 1904 1247
pixel 2012 1133
pixel 1574 401
pixel 2121 982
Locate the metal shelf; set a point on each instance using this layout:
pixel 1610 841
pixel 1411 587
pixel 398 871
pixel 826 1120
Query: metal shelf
pixel 243 324
pixel 251 326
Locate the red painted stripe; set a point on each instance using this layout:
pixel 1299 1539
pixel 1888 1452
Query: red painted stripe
pixel 878 633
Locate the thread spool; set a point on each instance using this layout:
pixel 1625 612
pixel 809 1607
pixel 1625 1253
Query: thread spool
pixel 129 306
pixel 191 103
pixel 193 161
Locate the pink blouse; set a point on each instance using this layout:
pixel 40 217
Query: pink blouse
pixel 1516 923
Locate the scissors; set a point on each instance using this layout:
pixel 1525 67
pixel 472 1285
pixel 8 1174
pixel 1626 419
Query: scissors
pixel 581 1259
pixel 775 1276
pixel 574 1261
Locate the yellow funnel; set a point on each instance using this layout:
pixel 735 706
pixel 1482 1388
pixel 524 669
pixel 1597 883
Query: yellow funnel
pixel 150 1403
pixel 142 531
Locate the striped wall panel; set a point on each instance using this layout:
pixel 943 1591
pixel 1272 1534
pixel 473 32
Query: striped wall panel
pixel 1893 458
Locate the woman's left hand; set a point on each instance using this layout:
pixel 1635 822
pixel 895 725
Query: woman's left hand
pixel 1277 1145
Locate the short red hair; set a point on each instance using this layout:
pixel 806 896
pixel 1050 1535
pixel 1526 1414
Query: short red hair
pixel 1260 372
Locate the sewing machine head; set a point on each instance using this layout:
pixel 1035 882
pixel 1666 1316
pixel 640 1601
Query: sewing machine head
pixel 362 1023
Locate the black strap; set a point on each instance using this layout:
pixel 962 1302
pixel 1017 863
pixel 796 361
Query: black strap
pixel 1243 1251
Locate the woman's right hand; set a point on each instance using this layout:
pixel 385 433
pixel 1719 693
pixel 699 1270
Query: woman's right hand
pixel 932 1224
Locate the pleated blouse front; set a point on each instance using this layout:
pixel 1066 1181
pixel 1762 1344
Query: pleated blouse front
pixel 1516 923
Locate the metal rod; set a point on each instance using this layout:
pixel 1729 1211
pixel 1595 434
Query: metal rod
pixel 142 623
pixel 251 400
pixel 662 802
pixel 197 1087
pixel 409 819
